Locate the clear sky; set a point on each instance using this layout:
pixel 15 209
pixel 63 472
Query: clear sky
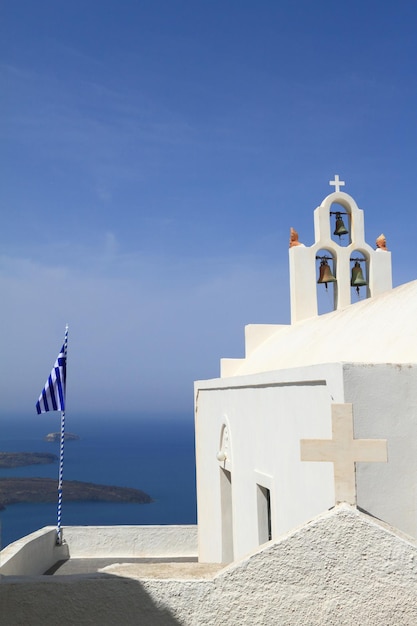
pixel 155 154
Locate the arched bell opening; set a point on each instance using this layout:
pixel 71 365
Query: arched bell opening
pixel 340 224
pixel 359 275
pixel 326 282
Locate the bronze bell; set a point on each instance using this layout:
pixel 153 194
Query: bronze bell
pixel 326 275
pixel 357 280
pixel 340 227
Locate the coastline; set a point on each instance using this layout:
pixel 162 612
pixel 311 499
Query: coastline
pixel 148 452
pixel 10 460
pixel 29 490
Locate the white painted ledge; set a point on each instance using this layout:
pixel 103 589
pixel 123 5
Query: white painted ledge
pixel 32 555
pixel 131 541
pixel 36 553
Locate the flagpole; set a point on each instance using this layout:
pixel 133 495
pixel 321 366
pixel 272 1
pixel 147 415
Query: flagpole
pixel 61 457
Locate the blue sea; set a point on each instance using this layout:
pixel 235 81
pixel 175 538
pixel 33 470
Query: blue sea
pixel 152 453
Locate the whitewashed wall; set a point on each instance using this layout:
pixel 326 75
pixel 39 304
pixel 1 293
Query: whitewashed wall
pixel 384 399
pixel 37 552
pixel 268 414
pixel 131 541
pixel 32 555
pixel 342 568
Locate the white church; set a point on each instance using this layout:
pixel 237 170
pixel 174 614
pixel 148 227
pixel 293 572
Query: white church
pixel 306 458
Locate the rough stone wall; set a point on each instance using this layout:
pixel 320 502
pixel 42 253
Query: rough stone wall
pixel 343 568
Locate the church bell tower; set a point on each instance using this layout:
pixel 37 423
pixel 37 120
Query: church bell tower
pixel 339 257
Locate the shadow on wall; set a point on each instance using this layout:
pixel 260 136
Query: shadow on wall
pixel 67 600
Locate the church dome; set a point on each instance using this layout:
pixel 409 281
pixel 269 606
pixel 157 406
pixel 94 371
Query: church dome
pixel 382 329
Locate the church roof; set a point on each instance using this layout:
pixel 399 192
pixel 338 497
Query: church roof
pixel 382 329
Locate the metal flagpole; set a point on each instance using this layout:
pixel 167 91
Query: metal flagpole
pixel 61 455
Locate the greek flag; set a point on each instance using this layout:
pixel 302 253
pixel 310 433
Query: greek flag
pixel 52 397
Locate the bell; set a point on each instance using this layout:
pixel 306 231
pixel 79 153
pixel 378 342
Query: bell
pixel 340 227
pixel 326 275
pixel 357 280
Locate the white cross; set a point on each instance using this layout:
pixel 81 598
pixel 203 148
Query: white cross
pixel 344 451
pixel 337 183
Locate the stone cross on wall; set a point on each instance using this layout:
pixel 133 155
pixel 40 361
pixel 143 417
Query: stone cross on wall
pixel 344 451
pixel 337 183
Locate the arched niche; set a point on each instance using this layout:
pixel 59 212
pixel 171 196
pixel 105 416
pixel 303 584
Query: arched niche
pixel 224 454
pixel 224 458
pixel 340 216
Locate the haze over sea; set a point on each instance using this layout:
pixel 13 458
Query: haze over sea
pixel 154 453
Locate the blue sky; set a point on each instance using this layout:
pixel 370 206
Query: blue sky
pixel 154 156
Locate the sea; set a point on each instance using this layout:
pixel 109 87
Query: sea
pixel 154 453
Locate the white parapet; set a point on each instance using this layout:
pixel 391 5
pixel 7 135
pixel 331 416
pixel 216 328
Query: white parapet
pixel 36 553
pixel 32 555
pixel 131 541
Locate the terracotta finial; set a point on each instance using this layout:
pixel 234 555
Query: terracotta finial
pixel 381 242
pixel 294 238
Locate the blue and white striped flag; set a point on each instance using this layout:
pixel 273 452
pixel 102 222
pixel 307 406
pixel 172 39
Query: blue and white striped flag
pixel 52 397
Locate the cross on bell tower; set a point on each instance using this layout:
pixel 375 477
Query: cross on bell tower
pixel 337 183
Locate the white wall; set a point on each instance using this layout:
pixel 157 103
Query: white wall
pixel 342 568
pixel 266 416
pixel 131 541
pixel 33 554
pixel 36 553
pixel 384 401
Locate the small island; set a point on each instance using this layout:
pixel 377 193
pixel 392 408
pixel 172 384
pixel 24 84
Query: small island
pixel 20 459
pixel 15 490
pixel 57 437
